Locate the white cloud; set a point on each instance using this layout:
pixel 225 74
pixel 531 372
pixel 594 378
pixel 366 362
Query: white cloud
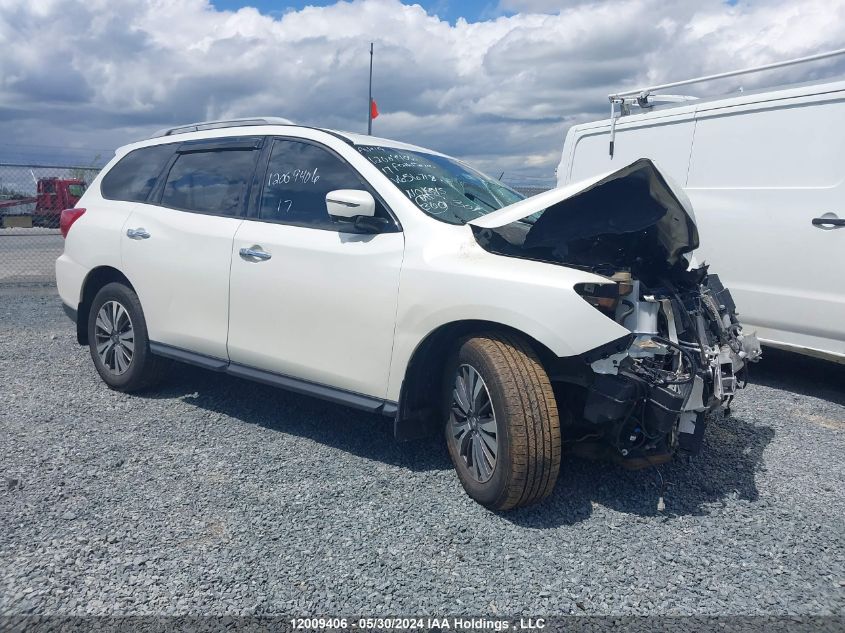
pixel 500 93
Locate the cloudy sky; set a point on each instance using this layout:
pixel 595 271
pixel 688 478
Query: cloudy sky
pixel 496 82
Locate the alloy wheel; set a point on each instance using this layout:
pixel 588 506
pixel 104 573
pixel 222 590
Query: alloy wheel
pixel 472 424
pixel 115 337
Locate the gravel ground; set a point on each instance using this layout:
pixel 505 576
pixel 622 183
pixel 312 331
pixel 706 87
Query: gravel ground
pixel 213 495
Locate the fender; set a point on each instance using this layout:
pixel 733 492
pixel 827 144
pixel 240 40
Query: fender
pixel 449 283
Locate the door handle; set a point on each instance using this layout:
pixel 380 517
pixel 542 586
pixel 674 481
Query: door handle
pixel 254 253
pixel 137 234
pixel 828 222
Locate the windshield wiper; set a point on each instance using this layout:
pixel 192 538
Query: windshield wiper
pixel 475 198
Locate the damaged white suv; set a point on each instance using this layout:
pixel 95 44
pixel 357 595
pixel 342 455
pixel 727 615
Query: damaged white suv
pixel 401 281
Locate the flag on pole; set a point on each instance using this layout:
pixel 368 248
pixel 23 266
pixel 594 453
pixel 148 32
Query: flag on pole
pixel 373 109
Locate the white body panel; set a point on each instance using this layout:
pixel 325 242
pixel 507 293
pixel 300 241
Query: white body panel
pixel 342 310
pixel 322 308
pixel 447 277
pixel 181 275
pixel 758 169
pixel 97 244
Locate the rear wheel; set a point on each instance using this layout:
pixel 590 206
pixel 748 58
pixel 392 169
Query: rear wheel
pixel 118 340
pixel 502 427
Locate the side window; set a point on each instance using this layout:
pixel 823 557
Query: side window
pixel 214 181
pixel 135 175
pixel 299 175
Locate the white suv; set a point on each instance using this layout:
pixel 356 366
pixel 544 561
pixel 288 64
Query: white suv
pixel 400 281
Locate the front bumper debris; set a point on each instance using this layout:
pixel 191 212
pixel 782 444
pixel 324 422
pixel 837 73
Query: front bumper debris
pixel 687 357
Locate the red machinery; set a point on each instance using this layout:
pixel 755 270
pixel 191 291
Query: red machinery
pixel 52 195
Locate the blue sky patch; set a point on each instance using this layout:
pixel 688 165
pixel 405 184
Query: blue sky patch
pixel 471 10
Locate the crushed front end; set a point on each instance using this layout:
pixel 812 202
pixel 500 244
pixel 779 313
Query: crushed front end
pixel 643 396
pixel 687 355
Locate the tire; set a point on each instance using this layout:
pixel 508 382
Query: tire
pixel 525 419
pixel 143 369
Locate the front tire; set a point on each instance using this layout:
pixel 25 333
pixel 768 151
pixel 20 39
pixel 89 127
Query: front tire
pixel 502 426
pixel 118 340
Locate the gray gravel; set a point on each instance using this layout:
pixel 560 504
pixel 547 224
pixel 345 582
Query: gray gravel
pixel 214 495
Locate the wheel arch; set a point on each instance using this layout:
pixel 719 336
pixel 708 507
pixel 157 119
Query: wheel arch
pixel 418 414
pixel 94 281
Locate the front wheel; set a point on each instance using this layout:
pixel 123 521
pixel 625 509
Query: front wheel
pixel 118 340
pixel 502 427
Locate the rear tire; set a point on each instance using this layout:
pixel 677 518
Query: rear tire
pixel 506 452
pixel 118 340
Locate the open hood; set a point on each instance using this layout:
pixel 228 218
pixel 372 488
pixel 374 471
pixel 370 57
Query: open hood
pixel 635 212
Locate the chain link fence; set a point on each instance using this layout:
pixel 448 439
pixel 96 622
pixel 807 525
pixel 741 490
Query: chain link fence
pixel 31 199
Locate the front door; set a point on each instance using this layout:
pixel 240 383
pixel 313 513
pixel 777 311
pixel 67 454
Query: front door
pixel 309 299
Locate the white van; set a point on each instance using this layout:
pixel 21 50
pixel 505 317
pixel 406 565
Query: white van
pixel 766 176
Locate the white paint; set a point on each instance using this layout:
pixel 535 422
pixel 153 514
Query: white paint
pixel 348 203
pixel 758 168
pixel 181 275
pixel 338 309
pixel 322 308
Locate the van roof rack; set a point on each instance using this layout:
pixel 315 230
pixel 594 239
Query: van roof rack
pixel 223 123
pixel 643 94
pixel 641 97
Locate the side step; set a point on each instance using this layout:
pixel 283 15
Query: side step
pixel 297 385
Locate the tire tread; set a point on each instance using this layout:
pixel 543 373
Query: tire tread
pixel 150 368
pixel 533 418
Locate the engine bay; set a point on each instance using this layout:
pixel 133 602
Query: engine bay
pixel 687 356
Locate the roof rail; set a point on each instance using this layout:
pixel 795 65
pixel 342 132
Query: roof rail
pixel 640 96
pixel 215 125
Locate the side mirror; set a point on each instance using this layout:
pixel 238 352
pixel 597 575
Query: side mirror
pixel 350 203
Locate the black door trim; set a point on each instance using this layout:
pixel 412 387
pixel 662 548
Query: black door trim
pixel 324 392
pixel 192 358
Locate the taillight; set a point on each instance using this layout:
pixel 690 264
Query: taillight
pixel 67 218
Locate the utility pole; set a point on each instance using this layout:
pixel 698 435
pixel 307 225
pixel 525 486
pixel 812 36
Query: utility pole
pixel 370 99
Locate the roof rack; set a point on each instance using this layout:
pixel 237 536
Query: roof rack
pixel 216 125
pixel 640 97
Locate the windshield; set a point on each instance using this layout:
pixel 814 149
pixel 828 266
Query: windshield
pixel 444 188
pixel 76 190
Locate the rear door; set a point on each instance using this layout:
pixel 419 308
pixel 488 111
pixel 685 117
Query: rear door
pixel 320 303
pixel 177 246
pixel 763 179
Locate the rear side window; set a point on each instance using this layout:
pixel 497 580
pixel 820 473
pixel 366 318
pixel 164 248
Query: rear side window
pixel 135 175
pixel 213 182
pixel 299 175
